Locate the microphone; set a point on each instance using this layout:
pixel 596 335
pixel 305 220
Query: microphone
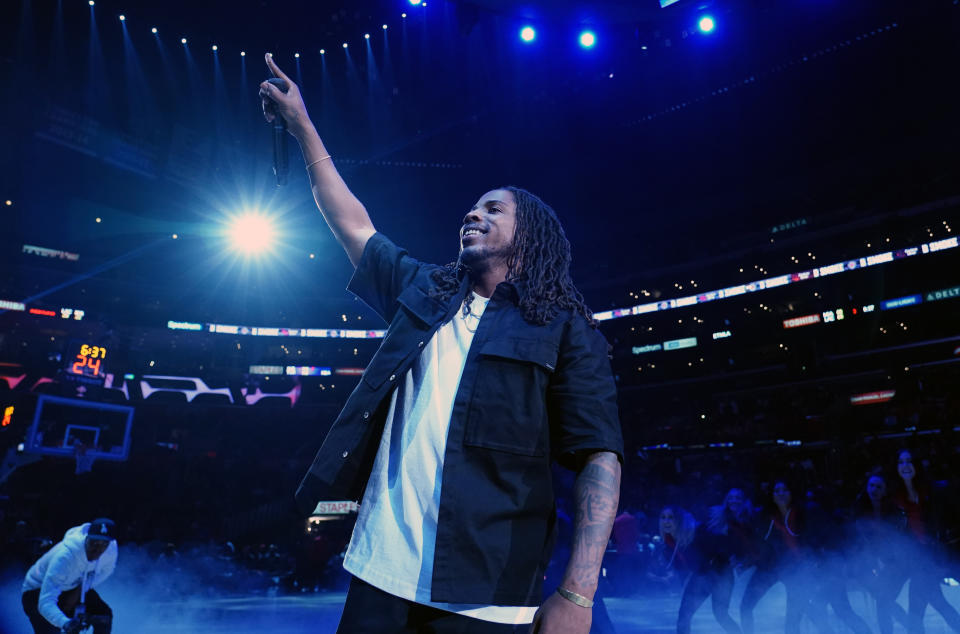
pixel 281 161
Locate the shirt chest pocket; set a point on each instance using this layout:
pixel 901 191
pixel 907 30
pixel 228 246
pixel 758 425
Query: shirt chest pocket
pixel 508 409
pixel 408 334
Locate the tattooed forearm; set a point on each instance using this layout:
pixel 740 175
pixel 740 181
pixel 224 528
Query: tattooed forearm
pixel 597 494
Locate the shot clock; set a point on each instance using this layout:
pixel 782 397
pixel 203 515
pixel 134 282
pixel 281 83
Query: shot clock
pixel 86 362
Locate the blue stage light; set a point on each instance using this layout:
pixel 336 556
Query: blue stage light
pixel 403 15
pixel 528 34
pixel 90 2
pixel 415 2
pixel 706 24
pixel 345 45
pixel 588 39
pixel 384 27
pixel 183 40
pixel 323 51
pixel 122 17
pixel 243 53
pixel 154 30
pixel 366 36
pixel 213 48
pixel 297 55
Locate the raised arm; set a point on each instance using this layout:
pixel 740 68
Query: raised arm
pixel 342 210
pixel 596 494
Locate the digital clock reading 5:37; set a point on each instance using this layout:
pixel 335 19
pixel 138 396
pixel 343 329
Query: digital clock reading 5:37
pixel 88 360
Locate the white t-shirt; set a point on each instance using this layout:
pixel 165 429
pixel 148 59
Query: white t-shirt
pixel 393 541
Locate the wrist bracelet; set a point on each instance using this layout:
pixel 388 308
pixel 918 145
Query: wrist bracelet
pixel 323 158
pixel 573 597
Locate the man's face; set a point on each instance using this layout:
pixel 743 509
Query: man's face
pixel 95 548
pixel 486 237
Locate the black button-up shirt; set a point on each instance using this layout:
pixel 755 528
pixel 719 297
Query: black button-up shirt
pixel 528 394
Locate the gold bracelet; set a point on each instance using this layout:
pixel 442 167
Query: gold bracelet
pixel 323 158
pixel 573 597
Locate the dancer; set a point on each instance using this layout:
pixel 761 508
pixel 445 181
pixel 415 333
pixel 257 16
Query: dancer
pixel 880 526
pixel 783 558
pixel 448 443
pixel 828 537
pixel 673 559
pixel 912 496
pixel 718 543
pixel 59 590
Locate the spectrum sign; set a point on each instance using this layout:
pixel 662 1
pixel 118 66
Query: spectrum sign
pixel 653 347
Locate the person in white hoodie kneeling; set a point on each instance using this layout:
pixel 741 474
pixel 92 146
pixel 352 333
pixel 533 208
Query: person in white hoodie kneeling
pixel 58 592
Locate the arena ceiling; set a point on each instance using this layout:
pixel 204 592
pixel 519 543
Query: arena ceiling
pixel 661 145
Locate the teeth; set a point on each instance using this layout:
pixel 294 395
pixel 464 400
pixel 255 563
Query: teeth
pixel 471 232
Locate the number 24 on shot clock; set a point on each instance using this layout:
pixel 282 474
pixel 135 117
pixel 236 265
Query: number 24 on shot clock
pixel 88 360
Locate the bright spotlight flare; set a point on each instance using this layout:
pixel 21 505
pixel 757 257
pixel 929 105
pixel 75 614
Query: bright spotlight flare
pixel 251 234
pixel 528 34
pixel 706 24
pixel 587 39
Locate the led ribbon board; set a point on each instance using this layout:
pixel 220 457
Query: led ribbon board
pixel 780 280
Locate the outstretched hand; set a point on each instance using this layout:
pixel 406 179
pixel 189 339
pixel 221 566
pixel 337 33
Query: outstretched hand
pixel 560 616
pixel 288 105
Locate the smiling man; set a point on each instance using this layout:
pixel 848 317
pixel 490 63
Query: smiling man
pixel 491 369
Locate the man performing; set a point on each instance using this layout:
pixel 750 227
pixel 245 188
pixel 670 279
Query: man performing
pixel 58 592
pixel 490 369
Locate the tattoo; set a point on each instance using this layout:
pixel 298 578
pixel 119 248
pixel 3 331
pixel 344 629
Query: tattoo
pixel 597 494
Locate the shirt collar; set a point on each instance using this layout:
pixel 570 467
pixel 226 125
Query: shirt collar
pixel 514 289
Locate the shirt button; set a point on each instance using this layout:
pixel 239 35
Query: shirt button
pixel 345 454
pixel 366 415
pixel 393 376
pixel 420 345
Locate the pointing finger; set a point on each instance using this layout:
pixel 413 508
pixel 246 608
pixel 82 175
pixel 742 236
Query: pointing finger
pixel 272 65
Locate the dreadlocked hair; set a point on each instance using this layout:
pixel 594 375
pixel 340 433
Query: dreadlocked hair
pixel 540 258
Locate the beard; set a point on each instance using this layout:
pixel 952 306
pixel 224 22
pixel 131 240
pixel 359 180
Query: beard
pixel 480 258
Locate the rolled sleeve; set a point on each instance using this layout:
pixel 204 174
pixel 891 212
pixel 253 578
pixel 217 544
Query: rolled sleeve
pixel 383 272
pixel 582 398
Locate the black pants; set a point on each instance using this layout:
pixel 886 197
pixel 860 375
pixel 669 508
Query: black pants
pixel 718 585
pixel 371 610
pixel 832 590
pixel 95 607
pixel 798 582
